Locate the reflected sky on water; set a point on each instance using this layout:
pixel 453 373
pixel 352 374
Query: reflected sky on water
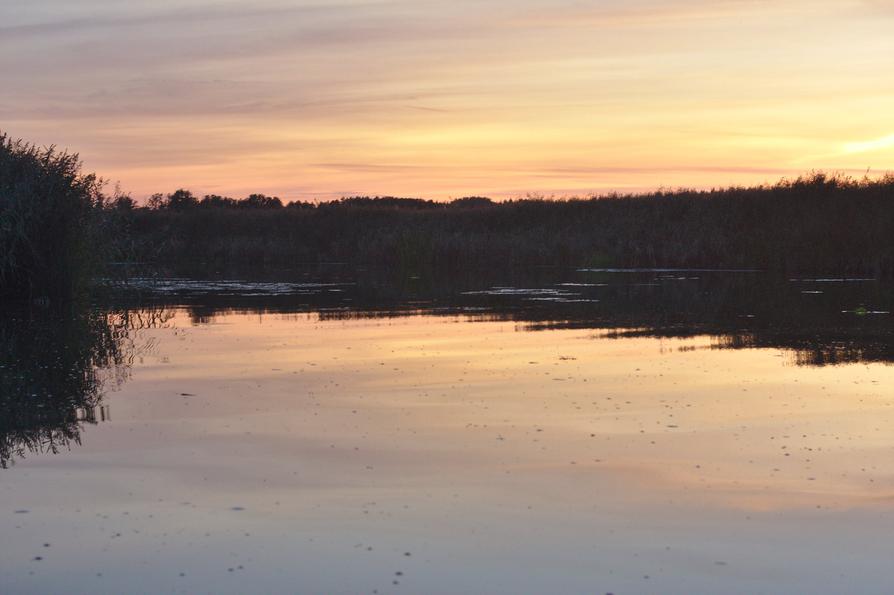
pixel 669 435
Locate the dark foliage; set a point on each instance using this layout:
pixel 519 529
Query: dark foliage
pixel 816 223
pixel 48 224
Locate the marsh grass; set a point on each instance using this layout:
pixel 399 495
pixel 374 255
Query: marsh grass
pixel 49 228
pixel 57 228
pixel 820 223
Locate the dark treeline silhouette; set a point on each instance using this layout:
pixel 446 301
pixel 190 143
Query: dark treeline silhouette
pixel 181 200
pixel 820 223
pixel 57 227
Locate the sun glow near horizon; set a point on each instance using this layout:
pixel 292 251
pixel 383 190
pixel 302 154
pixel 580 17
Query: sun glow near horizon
pixel 319 100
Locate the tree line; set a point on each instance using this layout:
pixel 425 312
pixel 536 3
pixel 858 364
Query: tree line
pixel 58 227
pixel 182 199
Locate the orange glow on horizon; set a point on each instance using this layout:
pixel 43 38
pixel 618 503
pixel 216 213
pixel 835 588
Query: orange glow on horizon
pixel 310 101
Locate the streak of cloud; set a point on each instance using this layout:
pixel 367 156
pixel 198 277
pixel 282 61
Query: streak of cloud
pixel 866 146
pixel 446 99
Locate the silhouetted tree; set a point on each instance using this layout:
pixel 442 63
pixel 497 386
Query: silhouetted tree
pixel 156 201
pixel 300 204
pixel 181 199
pixel 217 201
pixel 472 201
pixel 261 201
pixel 124 202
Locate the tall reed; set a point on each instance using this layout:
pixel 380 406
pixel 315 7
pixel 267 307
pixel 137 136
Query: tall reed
pixel 48 221
pixel 819 223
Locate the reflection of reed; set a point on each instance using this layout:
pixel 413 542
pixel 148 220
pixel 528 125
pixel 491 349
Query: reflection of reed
pixel 738 311
pixel 54 370
pixel 805 350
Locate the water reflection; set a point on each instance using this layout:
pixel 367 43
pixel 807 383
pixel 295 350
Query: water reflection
pixel 372 431
pixel 55 368
pixel 819 321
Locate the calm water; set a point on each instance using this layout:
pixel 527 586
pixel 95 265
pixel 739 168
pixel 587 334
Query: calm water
pixel 565 432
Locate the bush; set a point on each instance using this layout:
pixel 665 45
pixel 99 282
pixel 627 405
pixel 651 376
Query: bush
pixel 48 221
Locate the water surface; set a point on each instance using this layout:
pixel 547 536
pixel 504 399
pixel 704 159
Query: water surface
pixel 568 432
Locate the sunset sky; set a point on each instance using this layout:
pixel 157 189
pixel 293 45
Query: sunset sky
pixel 315 100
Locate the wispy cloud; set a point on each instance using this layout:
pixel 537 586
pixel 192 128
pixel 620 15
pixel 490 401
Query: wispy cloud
pixel 660 13
pixel 425 97
pixel 866 146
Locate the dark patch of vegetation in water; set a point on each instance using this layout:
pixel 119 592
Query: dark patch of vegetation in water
pixel 818 223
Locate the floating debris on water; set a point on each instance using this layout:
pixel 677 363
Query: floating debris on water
pixel 515 291
pixel 562 300
pixel 637 270
pixel 835 280
pixel 176 285
pixel 582 284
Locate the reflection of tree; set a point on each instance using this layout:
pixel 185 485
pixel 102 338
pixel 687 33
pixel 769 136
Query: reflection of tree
pixel 54 370
pixel 828 349
pixel 816 323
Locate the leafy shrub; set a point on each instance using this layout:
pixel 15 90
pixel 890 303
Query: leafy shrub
pixel 48 221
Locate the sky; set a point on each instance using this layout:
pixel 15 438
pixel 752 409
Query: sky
pixel 321 99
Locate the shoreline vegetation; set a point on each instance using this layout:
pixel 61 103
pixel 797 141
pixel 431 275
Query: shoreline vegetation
pixel 58 228
pixel 818 223
pixel 50 222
